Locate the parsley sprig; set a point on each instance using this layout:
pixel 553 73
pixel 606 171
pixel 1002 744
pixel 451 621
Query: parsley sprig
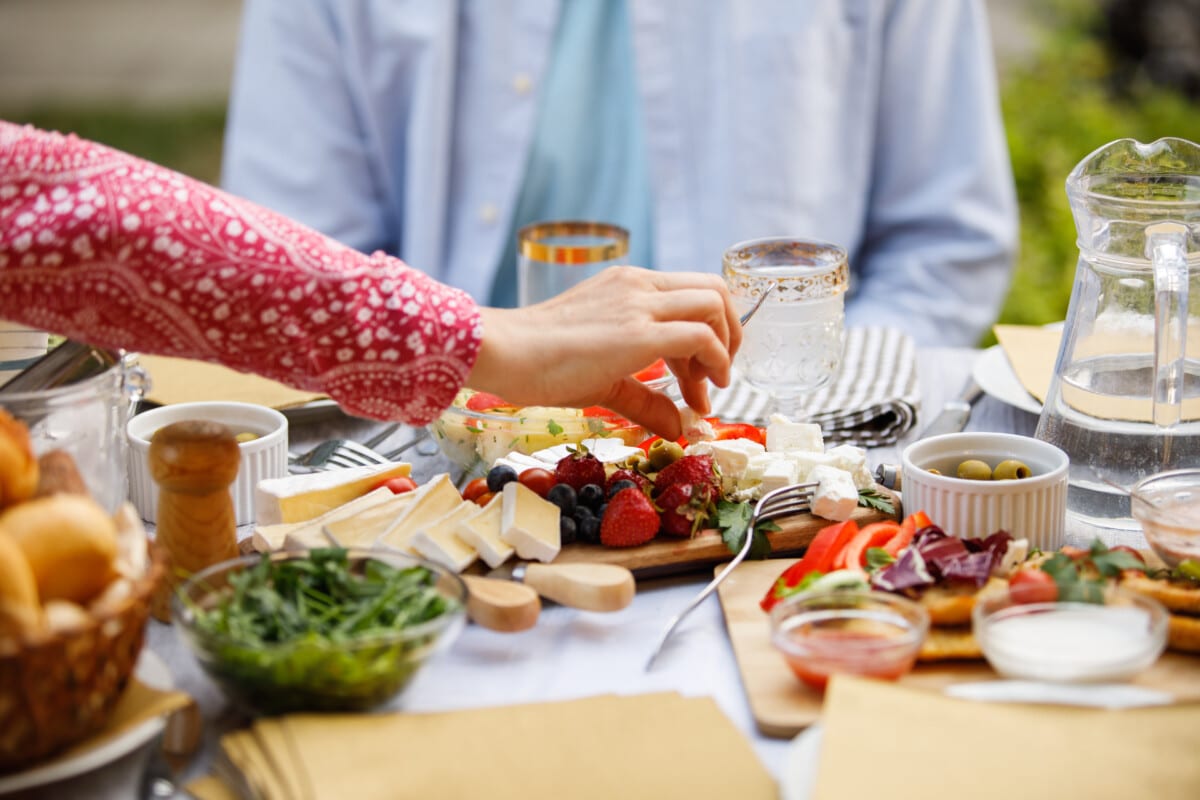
pixel 733 520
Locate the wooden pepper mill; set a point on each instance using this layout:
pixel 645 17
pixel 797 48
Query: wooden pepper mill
pixel 193 463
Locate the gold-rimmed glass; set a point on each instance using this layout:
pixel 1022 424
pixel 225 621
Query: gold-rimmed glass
pixel 554 256
pixel 794 344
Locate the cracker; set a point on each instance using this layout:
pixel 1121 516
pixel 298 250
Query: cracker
pixel 949 644
pixel 1183 633
pixel 1175 596
pixel 952 605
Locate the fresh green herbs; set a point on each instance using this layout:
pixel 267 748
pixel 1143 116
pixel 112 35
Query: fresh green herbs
pixel 1082 578
pixel 733 520
pixel 878 558
pixel 873 498
pixel 553 428
pixel 319 632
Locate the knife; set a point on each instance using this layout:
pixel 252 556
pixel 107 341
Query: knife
pixel 951 419
pixel 591 587
pixel 955 413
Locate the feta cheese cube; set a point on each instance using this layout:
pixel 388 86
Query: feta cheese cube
pixel 779 473
pixel 835 497
pixel 695 427
pixel 784 435
pixel 805 463
pixel 853 460
pixel 732 457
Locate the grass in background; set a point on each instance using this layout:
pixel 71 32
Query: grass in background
pixel 185 140
pixel 1057 110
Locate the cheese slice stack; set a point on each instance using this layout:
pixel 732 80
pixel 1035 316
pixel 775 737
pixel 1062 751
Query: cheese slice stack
pixel 433 501
pixel 439 540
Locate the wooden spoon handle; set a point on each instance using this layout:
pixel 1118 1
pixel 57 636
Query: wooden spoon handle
pixel 591 587
pixel 502 606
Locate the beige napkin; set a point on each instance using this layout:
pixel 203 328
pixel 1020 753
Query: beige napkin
pixel 643 746
pixel 181 380
pixel 884 740
pixel 1032 352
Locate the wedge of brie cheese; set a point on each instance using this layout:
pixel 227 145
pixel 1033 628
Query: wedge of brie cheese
pixel 439 540
pixel 308 534
pixel 296 498
pixel 529 523
pixel 434 500
pixel 482 532
pixel 363 528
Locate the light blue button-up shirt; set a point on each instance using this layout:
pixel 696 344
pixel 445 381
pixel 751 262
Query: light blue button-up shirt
pixel 406 125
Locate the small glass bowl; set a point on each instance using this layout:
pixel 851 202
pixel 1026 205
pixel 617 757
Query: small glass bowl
pixel 475 439
pixel 1071 642
pixel 317 674
pixel 1168 507
pixel 859 632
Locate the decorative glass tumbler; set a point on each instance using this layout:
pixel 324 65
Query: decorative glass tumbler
pixel 554 256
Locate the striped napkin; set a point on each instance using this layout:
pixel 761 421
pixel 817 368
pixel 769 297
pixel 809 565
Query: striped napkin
pixel 871 402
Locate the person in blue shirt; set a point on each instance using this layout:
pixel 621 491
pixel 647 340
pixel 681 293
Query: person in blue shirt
pixel 435 129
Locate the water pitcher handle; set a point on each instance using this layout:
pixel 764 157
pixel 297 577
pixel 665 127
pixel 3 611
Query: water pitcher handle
pixel 1166 246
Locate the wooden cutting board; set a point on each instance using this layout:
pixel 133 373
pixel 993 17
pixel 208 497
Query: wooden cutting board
pixel 667 556
pixel 782 706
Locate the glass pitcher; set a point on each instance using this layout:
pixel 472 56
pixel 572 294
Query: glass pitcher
pixel 1124 400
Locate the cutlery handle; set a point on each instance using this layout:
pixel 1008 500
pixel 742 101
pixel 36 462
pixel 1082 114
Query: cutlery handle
pixel 501 606
pixel 591 587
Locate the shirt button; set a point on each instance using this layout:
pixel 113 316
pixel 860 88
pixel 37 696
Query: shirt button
pixel 522 83
pixel 489 213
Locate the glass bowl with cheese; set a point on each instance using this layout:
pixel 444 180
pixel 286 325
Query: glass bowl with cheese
pixel 480 428
pixel 318 630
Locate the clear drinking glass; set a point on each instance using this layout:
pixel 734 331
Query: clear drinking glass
pixel 794 344
pixel 554 256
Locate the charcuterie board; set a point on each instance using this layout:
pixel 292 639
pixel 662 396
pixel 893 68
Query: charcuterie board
pixel 667 556
pixel 782 707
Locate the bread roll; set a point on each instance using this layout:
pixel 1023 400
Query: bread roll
pixel 58 473
pixel 69 541
pixel 20 610
pixel 18 464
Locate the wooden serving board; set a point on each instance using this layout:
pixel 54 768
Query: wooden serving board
pixel 667 556
pixel 782 706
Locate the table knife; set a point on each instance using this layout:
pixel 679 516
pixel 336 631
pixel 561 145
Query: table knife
pixel 955 413
pixel 591 587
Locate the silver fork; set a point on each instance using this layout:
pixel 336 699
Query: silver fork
pixel 783 502
pixel 336 453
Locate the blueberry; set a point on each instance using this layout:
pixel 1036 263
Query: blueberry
pixel 566 530
pixel 582 513
pixel 563 496
pixel 600 511
pixel 589 531
pixel 498 476
pixel 591 496
pixel 619 485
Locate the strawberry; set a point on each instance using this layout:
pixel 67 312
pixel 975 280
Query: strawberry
pixel 579 469
pixel 687 491
pixel 628 475
pixel 629 520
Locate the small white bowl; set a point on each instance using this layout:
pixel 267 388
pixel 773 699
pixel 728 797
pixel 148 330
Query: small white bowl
pixel 264 457
pixel 1033 508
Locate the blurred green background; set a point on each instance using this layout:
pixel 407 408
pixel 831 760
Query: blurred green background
pixel 1075 74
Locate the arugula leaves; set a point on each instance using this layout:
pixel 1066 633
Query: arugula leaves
pixel 733 520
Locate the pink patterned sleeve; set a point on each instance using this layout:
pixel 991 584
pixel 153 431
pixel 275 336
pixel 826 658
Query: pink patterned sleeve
pixel 106 248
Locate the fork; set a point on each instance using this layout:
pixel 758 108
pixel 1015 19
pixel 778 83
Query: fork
pixel 337 453
pixel 782 502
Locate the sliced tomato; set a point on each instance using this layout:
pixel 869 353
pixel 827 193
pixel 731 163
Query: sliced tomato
pixel 854 554
pixel 737 430
pixel 652 372
pixel 819 556
pixel 484 401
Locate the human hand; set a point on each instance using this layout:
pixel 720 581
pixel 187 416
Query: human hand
pixel 582 347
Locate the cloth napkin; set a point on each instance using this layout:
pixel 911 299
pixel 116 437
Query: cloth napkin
pixel 884 740
pixel 181 380
pixel 642 746
pixel 871 402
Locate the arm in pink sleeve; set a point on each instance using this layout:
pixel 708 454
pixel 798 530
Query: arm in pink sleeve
pixel 106 248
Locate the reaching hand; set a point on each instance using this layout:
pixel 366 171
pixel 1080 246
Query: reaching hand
pixel 581 347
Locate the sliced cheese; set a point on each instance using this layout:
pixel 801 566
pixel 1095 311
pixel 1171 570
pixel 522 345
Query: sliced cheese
pixel 362 529
pixel 439 540
pixel 482 532
pixel 433 501
pixel 300 497
pixel 529 523
pixel 309 534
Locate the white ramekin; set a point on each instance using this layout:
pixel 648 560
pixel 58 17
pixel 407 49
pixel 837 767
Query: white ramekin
pixel 1034 508
pixel 264 457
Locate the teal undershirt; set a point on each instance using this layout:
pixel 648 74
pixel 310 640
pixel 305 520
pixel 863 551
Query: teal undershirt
pixel 588 159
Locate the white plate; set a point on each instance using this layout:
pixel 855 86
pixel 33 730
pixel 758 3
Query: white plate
pixel 151 671
pixel 995 376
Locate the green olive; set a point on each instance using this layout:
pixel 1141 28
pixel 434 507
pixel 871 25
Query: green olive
pixel 663 454
pixel 974 470
pixel 246 436
pixel 1011 470
pixel 934 471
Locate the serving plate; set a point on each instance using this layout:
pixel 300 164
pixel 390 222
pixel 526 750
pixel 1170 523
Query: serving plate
pixel 996 377
pixel 150 670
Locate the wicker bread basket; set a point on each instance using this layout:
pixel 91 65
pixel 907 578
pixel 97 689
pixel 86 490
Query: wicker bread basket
pixel 59 689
